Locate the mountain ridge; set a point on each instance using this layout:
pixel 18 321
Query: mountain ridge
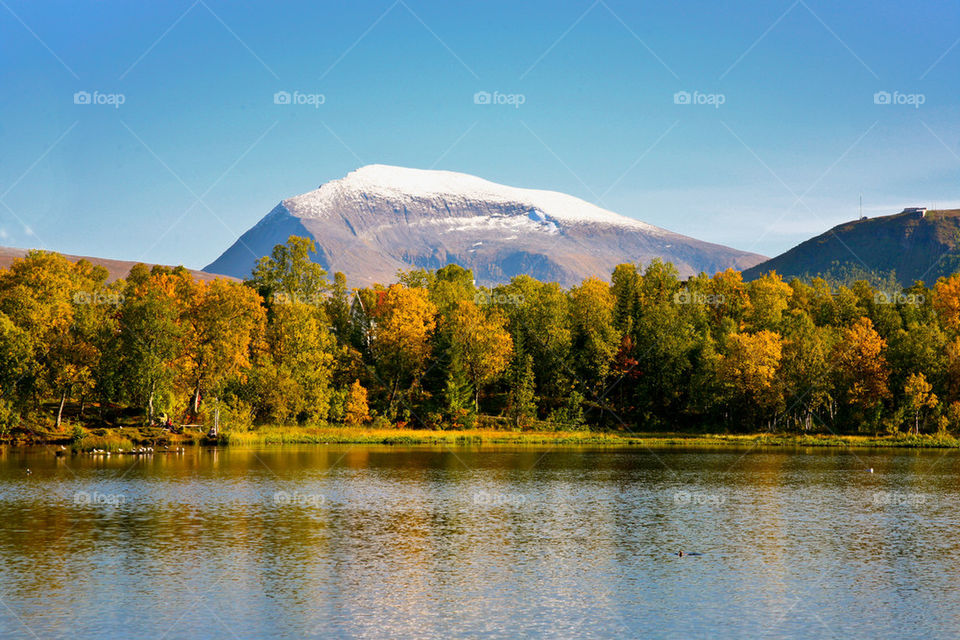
pixel 913 244
pixel 379 219
pixel 116 268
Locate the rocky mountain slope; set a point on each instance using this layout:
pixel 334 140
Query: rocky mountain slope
pixel 379 219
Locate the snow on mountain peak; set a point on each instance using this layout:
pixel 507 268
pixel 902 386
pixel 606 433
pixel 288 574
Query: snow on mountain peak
pixel 405 186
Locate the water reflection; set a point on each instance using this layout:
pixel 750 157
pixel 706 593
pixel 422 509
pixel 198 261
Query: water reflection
pixel 502 542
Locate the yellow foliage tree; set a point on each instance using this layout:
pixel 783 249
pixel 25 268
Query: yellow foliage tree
pixel 769 298
pixel 861 365
pixel 482 344
pixel 221 322
pixel 62 306
pixel 404 319
pixel 356 409
pixel 946 300
pixel 750 367
pixel 728 293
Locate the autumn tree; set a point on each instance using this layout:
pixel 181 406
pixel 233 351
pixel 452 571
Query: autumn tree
pixel 221 320
pixel 404 319
pixel 481 345
pixel 769 299
pixel 861 369
pixel 15 362
pixel 356 410
pixel 749 369
pixel 946 301
pixel 59 304
pixel 730 298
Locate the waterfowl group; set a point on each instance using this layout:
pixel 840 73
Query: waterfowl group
pixel 136 451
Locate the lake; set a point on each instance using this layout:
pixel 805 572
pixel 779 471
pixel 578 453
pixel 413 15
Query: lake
pixel 480 542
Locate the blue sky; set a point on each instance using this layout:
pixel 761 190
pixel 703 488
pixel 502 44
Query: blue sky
pixel 198 151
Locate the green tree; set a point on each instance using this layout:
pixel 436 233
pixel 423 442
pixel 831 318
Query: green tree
pixel 522 401
pixel 595 339
pixel 289 273
pixel 150 338
pixel 295 368
pixel 919 396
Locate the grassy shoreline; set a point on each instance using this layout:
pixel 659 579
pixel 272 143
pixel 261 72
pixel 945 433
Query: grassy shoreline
pixel 346 435
pixel 127 438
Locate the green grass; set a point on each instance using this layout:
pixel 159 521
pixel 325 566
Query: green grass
pixel 111 439
pixel 356 435
pixel 108 442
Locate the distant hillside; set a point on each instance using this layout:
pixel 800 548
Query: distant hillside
pixel 913 245
pixel 117 268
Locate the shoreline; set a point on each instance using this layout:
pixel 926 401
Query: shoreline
pixel 116 440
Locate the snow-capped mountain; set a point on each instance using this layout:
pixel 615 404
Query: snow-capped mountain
pixel 379 219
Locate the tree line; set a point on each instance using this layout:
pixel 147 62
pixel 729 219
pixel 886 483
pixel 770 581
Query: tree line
pixel 644 351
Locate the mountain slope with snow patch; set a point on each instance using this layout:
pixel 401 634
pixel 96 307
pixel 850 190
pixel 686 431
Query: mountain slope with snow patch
pixel 379 219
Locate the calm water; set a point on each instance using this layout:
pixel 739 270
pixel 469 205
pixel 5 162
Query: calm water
pixel 388 542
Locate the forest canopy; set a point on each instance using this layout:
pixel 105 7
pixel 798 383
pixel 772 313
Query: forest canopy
pixel 644 351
